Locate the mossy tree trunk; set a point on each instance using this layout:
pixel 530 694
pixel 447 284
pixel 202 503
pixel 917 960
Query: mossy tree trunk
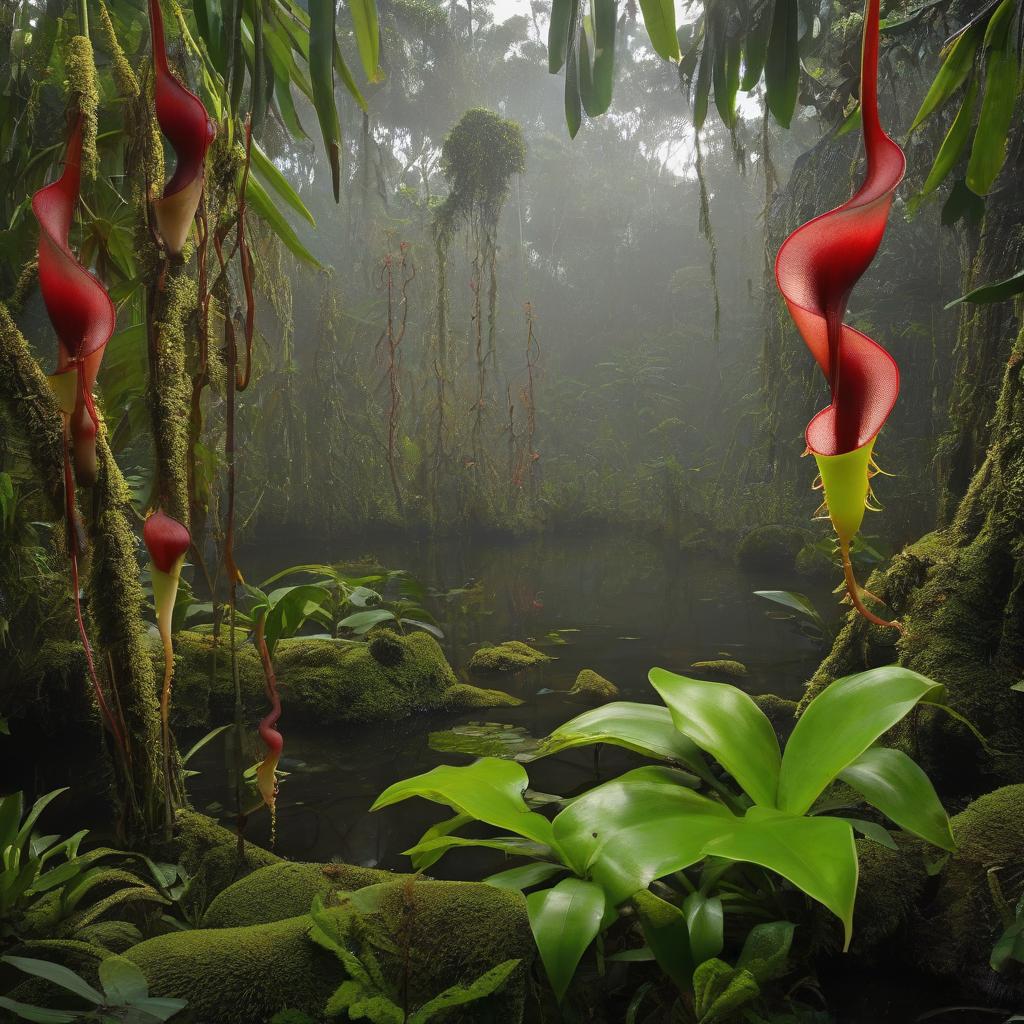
pixel 959 593
pixel 113 594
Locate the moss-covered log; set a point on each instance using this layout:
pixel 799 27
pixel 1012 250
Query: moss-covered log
pixel 112 590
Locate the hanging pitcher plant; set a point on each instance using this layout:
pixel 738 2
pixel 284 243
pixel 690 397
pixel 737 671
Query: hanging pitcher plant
pixel 187 127
pixel 83 316
pixel 816 270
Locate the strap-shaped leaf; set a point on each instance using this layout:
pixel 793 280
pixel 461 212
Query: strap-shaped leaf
pixel 899 788
pixel 782 65
pixel 636 828
pixel 367 33
pixel 558 34
pixel 644 728
pixel 56 974
pixel 524 877
pixel 321 76
pixel 665 929
pixel 565 920
pixel 660 20
pixel 490 790
pixel 841 723
pixel 724 721
pixel 426 853
pixel 988 152
pixel 817 855
pixel 955 69
pixel 952 146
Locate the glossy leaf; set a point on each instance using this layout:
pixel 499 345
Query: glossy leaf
pixel 705 922
pixel 257 197
pixel 726 723
pixel 782 63
pixel 524 877
pixel 817 855
pixel 997 292
pixel 755 48
pixel 894 783
pixel 490 790
pixel 660 21
pixel 952 145
pixel 321 76
pixel 636 828
pixel 267 170
pixel 56 974
pixel 988 152
pixel 367 33
pixel 429 851
pixel 841 723
pixel 951 75
pixel 668 936
pixel 565 920
pixel 558 34
pixel 122 981
pixel 644 728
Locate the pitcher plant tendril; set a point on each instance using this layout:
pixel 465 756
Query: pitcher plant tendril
pixel 816 269
pixel 83 317
pixel 167 542
pixel 187 127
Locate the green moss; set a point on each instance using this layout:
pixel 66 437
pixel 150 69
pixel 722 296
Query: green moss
pixel 592 688
pixel 284 889
pixel 510 656
pixel 210 856
pixel 723 666
pixel 291 1017
pixel 466 697
pixel 83 94
pixel 124 78
pixel 240 975
pixel 890 886
pixel 770 547
pixel 447 932
pixel 324 681
pixel 170 390
pixel 959 925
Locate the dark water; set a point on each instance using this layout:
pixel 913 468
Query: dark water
pixel 622 605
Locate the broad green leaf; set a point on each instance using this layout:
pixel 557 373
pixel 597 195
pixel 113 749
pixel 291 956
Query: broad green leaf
pixel 782 64
pixel 644 728
pixel 361 622
pixel 952 145
pixel 952 74
pixel 660 20
pixel 997 292
pixel 441 828
pixel 725 722
pixel 367 32
pixel 56 974
pixel 791 599
pixel 665 929
pixel 525 877
pixel 267 170
pixel 321 77
pixel 565 920
pixel 257 197
pixel 873 831
pixel 1009 946
pixel 122 981
pixel 491 790
pixel 705 922
pixel 459 995
pixel 988 152
pixel 597 75
pixel 38 1014
pixel 899 788
pixel 639 827
pixel 841 723
pixel 817 855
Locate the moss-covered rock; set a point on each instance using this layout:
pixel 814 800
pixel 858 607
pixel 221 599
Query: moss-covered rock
pixel 591 688
pixel 959 925
pixel 447 931
pixel 211 857
pixel 770 547
pixel 325 682
pixel 779 711
pixel 890 886
pixel 723 666
pixel 464 697
pixel 284 889
pixel 510 656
